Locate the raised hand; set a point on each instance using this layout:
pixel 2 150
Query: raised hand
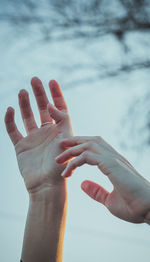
pixel 130 198
pixel 37 151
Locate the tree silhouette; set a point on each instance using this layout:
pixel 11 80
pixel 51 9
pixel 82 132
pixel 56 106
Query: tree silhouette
pixel 125 23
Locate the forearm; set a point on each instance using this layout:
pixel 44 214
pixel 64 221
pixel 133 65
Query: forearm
pixel 45 225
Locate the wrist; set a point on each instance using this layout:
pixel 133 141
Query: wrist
pixel 45 192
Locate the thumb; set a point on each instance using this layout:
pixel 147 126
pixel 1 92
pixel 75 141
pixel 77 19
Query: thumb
pixel 95 191
pixel 56 114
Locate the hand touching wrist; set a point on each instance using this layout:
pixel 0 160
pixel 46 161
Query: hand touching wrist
pixel 130 198
pixel 36 153
pixel 45 192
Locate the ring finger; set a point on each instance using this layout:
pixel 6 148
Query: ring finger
pixel 26 111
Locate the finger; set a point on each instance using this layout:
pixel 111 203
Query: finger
pixel 55 113
pixel 57 96
pixel 76 140
pixel 85 158
pixel 41 99
pixel 95 191
pixel 74 151
pixel 26 111
pixel 11 127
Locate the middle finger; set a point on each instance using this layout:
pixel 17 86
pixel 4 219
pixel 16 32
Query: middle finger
pixel 41 99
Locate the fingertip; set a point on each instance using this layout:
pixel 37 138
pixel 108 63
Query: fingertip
pixel 53 83
pixel 54 113
pixel 35 80
pixel 22 92
pixel 9 114
pixel 84 185
pixel 55 88
pixel 62 175
pixel 59 159
pixel 10 109
pixel 62 145
pixel 9 119
pixel 62 142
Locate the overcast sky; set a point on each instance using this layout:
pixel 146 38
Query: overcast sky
pixel 92 233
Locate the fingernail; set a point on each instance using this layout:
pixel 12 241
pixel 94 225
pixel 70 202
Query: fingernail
pixel 84 186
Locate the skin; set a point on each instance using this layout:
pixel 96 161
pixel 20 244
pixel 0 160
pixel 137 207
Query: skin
pixel 130 198
pixel 42 175
pixel 36 154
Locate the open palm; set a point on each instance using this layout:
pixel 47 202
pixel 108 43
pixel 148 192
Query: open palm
pixel 37 151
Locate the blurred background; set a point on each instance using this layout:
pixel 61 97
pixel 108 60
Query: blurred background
pixel 98 50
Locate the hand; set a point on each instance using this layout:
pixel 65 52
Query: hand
pixel 130 198
pixel 37 151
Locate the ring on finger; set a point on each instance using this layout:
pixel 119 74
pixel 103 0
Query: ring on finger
pixel 46 123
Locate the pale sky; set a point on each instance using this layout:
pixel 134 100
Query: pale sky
pixel 92 233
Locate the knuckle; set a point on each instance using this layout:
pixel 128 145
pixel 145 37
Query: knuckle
pixel 85 154
pixel 70 152
pixel 90 144
pixel 98 138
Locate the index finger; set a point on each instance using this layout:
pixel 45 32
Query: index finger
pixel 75 140
pixel 41 99
pixel 57 96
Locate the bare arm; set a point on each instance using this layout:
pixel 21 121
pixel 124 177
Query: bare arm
pixel 45 225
